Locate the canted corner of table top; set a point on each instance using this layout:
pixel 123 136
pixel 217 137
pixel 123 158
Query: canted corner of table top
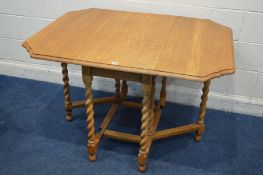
pixel 27 47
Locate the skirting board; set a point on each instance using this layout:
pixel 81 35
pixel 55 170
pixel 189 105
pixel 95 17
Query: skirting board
pixel 177 94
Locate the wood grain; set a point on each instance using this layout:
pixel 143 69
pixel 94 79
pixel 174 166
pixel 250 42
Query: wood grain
pixel 163 45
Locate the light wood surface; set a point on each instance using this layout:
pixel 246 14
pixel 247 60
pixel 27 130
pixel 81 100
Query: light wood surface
pixel 189 48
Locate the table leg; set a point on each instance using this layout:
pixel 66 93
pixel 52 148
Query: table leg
pixel 68 104
pixel 163 92
pixel 146 112
pixel 152 106
pixel 202 111
pixel 117 90
pixel 124 89
pixel 87 79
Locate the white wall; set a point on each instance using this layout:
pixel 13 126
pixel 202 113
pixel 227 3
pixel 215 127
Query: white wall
pixel 241 92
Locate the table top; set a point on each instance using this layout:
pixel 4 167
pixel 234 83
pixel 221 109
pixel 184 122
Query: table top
pixel 171 46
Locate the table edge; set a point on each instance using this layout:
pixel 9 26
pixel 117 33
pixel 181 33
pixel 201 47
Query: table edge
pixel 129 69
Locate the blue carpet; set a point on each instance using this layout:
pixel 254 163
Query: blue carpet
pixel 36 139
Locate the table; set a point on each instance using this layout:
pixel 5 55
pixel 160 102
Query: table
pixel 138 47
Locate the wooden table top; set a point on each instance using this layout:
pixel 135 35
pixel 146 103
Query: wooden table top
pixel 171 46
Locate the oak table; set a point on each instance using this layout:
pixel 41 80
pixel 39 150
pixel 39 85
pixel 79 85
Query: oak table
pixel 136 47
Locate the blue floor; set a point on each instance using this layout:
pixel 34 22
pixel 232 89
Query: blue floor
pixel 35 138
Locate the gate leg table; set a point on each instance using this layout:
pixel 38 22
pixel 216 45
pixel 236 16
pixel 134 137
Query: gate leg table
pixel 137 47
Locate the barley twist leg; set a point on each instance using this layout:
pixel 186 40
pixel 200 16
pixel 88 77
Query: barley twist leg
pixel 202 111
pixel 117 90
pixel 68 105
pixel 163 92
pixel 91 147
pixel 124 89
pixel 152 106
pixel 146 102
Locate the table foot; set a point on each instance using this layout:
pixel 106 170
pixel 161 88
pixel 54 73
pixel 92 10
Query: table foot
pixel 198 133
pixel 142 161
pixel 142 168
pixel 197 138
pixel 92 158
pixel 69 117
pixel 91 149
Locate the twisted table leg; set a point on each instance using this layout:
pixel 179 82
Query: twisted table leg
pixel 163 92
pixel 202 111
pixel 146 112
pixel 124 89
pixel 68 105
pixel 117 90
pixel 87 79
pixel 152 106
